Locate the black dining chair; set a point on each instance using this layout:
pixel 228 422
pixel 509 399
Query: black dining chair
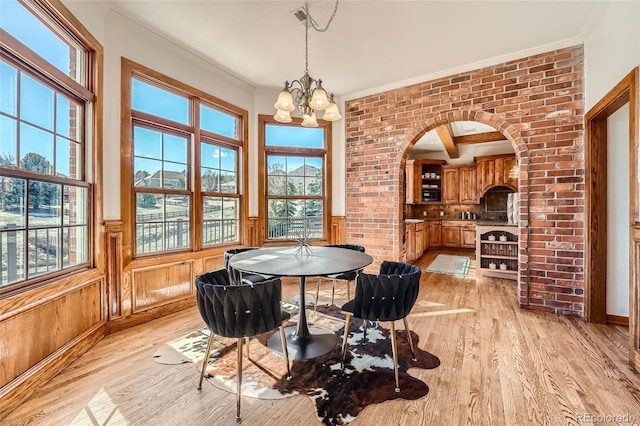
pixel 239 311
pixel 238 277
pixel 346 276
pixel 387 296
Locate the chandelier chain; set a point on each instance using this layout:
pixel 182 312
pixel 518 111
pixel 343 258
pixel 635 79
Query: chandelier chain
pixel 316 27
pixel 314 24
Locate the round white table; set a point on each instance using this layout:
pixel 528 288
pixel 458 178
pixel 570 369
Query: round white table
pixel 303 341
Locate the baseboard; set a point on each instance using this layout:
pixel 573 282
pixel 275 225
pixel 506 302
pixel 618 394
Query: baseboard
pixel 23 386
pixel 618 320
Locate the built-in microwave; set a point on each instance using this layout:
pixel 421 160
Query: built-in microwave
pixel 430 195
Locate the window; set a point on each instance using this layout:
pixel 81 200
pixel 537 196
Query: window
pixel 296 180
pixel 44 191
pixel 185 182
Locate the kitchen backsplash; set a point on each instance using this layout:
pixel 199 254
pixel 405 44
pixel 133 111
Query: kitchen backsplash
pixel 416 211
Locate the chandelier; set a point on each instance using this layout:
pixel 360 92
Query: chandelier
pixel 307 93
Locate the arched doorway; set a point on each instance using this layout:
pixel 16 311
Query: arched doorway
pixel 495 128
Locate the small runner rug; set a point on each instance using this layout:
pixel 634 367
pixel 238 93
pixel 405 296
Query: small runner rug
pixel 450 264
pixel 339 395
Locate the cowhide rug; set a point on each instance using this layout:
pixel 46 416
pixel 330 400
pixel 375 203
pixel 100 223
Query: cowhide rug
pixel 339 395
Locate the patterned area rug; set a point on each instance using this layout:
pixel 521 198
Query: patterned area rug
pixel 450 265
pixel 339 395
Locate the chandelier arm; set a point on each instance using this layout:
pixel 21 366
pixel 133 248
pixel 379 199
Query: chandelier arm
pixel 314 24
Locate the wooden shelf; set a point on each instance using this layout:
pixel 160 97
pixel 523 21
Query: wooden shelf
pixel 497 252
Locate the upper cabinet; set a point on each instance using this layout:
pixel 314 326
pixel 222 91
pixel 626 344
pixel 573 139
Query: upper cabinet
pixel 493 170
pixel 459 185
pixel 423 181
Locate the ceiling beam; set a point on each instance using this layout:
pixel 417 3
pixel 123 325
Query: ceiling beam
pixel 446 137
pixel 479 138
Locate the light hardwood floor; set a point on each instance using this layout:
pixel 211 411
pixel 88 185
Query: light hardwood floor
pixel 501 365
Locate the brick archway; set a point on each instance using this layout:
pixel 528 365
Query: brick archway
pixel 537 103
pixel 522 154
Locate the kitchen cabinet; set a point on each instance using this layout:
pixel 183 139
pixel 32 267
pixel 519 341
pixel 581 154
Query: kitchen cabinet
pixel 423 181
pixel 458 233
pixel 410 241
pixel 468 236
pixel 497 252
pixel 450 185
pixel 450 235
pixel 434 233
pixel 493 170
pixel 459 185
pixel 419 240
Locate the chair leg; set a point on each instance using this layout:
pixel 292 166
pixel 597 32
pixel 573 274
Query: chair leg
pixel 333 292
pixel 348 290
pixel 239 377
pixel 285 351
pixel 394 349
pixel 247 344
pixel 413 349
pixel 344 340
pixel 206 359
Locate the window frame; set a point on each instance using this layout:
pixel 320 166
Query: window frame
pixel 130 118
pixel 265 150
pixel 88 95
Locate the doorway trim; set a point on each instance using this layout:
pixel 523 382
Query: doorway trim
pixel 626 91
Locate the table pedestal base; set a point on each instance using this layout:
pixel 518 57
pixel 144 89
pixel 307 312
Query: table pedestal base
pixel 319 342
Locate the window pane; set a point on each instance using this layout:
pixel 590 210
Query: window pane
pixel 221 220
pixel 9 89
pixel 157 101
pixel 174 176
pixel 68 159
pixel 228 183
pixel 43 251
pixel 209 180
pixel 219 122
pixel 36 148
pixel 300 137
pixel 210 155
pixel 227 159
pixel 75 201
pixel 45 200
pixel 175 148
pixel 162 222
pixel 147 173
pixel 147 143
pixel 36 102
pixel 28 29
pixel 68 118
pixel 74 240
pixel 12 203
pixel 11 259
pixel 8 142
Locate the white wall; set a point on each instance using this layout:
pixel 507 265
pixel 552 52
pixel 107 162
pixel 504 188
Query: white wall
pixel 612 50
pixel 618 213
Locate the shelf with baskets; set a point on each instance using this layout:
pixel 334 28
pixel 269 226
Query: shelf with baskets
pixel 497 251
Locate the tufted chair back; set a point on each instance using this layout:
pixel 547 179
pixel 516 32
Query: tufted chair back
pixel 388 296
pixel 238 311
pixel 238 277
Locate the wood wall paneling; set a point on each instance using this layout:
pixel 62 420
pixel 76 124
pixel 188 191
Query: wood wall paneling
pixel 158 285
pixel 338 233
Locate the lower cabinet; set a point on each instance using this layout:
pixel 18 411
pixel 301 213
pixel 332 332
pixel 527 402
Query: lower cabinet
pixel 458 234
pixel 435 239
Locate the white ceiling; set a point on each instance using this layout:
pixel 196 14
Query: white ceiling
pixel 369 45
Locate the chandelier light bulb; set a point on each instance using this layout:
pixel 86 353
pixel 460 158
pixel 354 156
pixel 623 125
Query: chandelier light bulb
pixel 282 116
pixel 285 100
pixel 310 121
pixel 319 100
pixel 332 113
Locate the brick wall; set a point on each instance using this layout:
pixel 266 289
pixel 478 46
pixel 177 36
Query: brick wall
pixel 537 103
